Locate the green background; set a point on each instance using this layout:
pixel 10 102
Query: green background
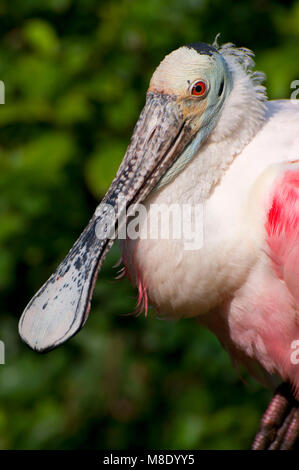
pixel 76 73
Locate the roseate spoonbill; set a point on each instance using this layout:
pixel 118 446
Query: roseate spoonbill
pixel 207 135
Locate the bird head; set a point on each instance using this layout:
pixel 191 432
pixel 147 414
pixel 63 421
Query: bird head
pixel 183 104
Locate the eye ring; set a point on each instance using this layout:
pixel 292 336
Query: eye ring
pixel 199 88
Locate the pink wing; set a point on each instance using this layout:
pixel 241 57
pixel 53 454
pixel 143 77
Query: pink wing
pixel 282 228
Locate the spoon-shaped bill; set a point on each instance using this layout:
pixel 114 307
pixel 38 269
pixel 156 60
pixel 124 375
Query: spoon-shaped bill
pixel 60 308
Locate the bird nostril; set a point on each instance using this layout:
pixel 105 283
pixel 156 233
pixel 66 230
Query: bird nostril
pixel 152 134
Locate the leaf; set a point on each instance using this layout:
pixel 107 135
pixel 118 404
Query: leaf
pixel 41 36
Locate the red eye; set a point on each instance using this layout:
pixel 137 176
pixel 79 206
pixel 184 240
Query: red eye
pixel 198 88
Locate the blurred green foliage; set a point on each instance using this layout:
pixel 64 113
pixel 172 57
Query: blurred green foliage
pixel 76 73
